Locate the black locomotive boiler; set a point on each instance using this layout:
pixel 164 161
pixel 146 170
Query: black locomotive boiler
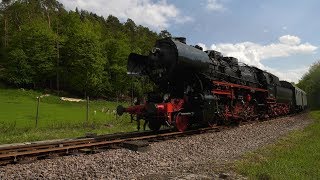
pixel 204 87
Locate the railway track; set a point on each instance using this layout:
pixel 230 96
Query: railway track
pixel 40 150
pixel 21 153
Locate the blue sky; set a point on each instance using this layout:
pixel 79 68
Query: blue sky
pixel 279 36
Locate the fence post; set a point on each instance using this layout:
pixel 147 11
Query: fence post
pixel 37 114
pixel 87 116
pixel 117 104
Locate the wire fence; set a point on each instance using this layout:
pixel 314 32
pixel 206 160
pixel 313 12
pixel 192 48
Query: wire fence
pixel 46 112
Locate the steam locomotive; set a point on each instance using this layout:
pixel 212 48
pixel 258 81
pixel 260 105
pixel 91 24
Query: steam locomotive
pixel 204 87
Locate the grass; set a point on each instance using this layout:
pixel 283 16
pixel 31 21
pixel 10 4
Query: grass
pixel 57 119
pixel 297 156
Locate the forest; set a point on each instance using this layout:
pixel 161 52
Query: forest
pixel 310 83
pixel 45 46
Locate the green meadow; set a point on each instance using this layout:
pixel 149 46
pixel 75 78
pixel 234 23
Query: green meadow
pixel 56 118
pixel 296 156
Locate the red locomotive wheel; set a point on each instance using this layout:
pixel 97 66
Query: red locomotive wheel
pixel 182 122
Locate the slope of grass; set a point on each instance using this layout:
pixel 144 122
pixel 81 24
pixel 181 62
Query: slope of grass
pixel 57 119
pixel 296 156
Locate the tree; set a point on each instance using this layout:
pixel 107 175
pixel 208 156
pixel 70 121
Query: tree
pixel 35 43
pixel 164 34
pixel 83 58
pixel 50 7
pixel 80 52
pixel 310 82
pixel 19 70
pixel 113 24
pixel 117 52
pixel 4 7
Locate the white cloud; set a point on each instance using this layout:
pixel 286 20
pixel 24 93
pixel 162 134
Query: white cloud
pixel 291 40
pixel 291 75
pixel 156 15
pixel 215 5
pixel 253 53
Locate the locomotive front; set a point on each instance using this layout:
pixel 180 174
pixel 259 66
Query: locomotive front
pixel 170 63
pixel 174 67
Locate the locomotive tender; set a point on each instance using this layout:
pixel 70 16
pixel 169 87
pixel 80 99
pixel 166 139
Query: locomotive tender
pixel 204 87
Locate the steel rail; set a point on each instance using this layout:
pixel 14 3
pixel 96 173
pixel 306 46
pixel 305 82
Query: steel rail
pixel 41 145
pixel 13 153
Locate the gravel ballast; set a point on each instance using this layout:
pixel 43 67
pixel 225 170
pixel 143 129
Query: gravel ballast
pixel 194 157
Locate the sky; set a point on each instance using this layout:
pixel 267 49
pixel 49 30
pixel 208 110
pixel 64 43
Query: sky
pixel 279 36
